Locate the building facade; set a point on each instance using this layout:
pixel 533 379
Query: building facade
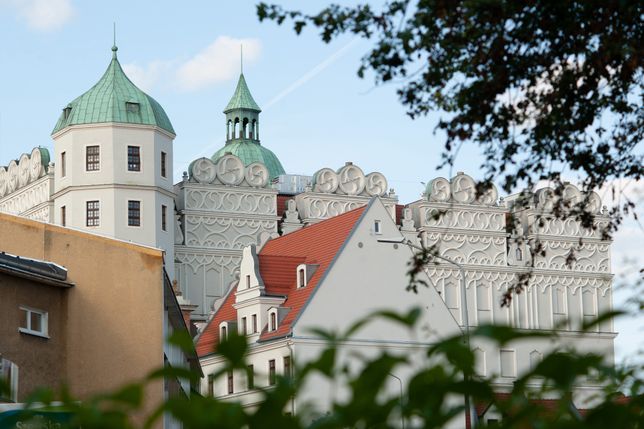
pixel 110 173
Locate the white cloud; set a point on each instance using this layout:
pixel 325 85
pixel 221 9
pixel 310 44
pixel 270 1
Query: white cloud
pixel 147 76
pixel 218 62
pixel 43 15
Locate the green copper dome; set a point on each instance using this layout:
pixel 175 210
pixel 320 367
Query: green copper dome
pixel 250 152
pixel 242 99
pixel 114 98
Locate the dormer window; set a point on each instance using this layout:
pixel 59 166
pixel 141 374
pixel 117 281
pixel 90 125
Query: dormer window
pixel 132 107
pixel 301 277
pixel 66 112
pixel 224 333
pixel 376 227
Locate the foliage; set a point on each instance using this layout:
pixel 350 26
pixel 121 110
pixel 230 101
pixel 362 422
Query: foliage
pixel 546 88
pixel 431 398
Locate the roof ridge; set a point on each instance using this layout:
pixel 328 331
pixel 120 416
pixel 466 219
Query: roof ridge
pixel 316 225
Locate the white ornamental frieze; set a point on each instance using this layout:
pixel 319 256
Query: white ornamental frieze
pixel 570 256
pixel 28 169
pixel 470 249
pixel 220 233
pixel 464 219
pixel 222 199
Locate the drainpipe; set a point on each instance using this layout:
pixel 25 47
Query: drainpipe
pixel 289 344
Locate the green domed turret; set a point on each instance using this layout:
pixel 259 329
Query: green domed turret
pixel 114 98
pixel 242 131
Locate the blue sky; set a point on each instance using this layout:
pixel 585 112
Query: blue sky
pixel 316 112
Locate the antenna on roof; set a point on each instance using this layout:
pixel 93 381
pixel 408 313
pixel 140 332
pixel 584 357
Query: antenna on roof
pixel 241 57
pixel 114 48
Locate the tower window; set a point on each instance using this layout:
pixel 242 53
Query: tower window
pixel 63 164
pixel 92 158
pixel 63 216
pixel 164 219
pixel 163 164
pixel 92 213
pixel 271 372
pixel 133 213
pixel 133 158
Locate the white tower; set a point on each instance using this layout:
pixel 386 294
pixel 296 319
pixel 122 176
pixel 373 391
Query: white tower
pixel 113 155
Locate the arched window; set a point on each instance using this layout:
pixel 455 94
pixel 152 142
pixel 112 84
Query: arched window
pixel 301 280
pixel 253 129
pixel 236 131
pixel 224 333
pixel 229 126
pixel 245 128
pixel 273 323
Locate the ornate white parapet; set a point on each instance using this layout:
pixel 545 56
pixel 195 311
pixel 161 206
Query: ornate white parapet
pixel 26 186
pixel 336 192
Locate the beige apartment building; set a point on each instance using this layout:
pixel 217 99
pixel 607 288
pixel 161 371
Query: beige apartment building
pixel 85 310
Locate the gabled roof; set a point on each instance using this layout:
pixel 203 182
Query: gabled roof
pixel 317 244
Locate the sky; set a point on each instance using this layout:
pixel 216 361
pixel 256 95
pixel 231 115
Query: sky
pixel 316 112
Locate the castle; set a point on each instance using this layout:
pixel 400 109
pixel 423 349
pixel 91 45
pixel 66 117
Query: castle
pixel 110 173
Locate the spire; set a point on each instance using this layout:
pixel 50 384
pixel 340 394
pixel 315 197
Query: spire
pixel 114 47
pixel 242 98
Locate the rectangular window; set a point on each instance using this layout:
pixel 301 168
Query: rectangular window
pixel 163 164
pixel 273 322
pixel 133 213
pixel 211 384
pixel 92 158
pixel 92 213
pixel 247 282
pixel 243 326
pixel 508 363
pixel 287 366
pixel 63 216
pixel 164 218
pixel 271 372
pixel 63 164
pixel 376 227
pixel 254 318
pixel 250 374
pixel 133 158
pixel 231 383
pixel 33 321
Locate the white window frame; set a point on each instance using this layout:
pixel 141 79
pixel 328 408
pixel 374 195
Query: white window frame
pixel 44 322
pixel 301 280
pixel 377 227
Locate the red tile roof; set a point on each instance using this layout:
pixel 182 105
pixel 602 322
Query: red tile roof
pixel 317 244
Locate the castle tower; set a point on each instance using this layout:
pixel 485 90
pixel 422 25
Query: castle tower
pixel 113 155
pixel 242 132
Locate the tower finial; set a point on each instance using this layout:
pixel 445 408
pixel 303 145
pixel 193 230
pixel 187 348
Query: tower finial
pixel 241 57
pixel 114 47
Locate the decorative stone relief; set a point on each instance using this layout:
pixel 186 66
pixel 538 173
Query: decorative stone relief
pixel 19 174
pixel 230 171
pixel 349 180
pixel 463 219
pixel 561 227
pixel 461 189
pixel 407 221
pixel 546 199
pixel 223 199
pixel 28 197
pixel 291 220
pixel 178 233
pixel 469 249
pixel 587 257
pixel 224 233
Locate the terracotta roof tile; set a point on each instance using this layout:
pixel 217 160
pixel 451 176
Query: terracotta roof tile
pixel 316 244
